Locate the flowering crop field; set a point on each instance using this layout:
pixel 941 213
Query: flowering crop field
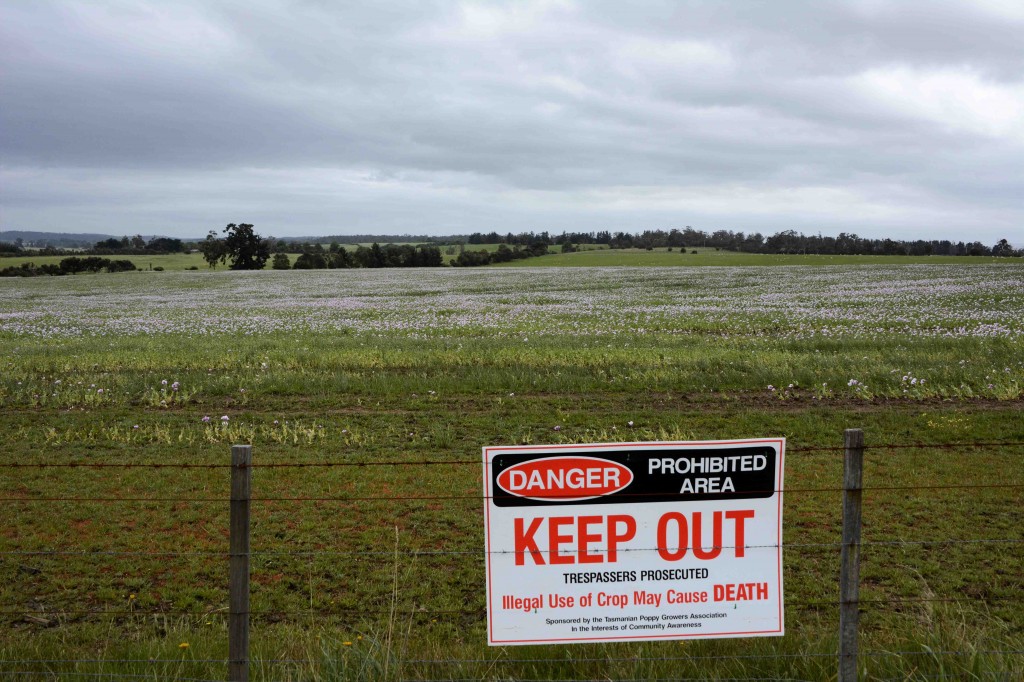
pixel 863 332
pixel 364 568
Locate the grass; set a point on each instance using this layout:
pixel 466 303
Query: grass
pixel 662 257
pixel 374 367
pixel 589 255
pixel 174 261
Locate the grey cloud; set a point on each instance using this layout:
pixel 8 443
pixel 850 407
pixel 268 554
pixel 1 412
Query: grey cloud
pixel 498 112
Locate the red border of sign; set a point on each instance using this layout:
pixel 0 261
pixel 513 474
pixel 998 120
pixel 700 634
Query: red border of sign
pixel 781 442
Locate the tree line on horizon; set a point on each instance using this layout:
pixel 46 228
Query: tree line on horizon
pixel 244 249
pixel 124 246
pixel 785 242
pixel 69 266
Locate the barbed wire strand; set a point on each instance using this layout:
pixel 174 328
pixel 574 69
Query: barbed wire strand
pixel 916 675
pixel 392 498
pixel 944 446
pixel 479 612
pixel 493 661
pixel 619 659
pixel 194 679
pixel 482 553
pixel 120 676
pixel 443 462
pixel 41 662
pixel 878 653
pixel 643 679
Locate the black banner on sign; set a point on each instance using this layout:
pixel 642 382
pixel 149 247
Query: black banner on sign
pixel 626 475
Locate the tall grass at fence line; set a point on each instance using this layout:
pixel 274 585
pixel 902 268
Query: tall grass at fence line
pixel 954 649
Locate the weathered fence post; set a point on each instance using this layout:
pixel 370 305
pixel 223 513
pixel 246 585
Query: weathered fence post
pixel 238 576
pixel 849 578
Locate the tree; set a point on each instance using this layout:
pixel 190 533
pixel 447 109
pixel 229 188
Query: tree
pixel 281 262
pixel 977 249
pixel 310 261
pixel 1002 248
pixel 340 259
pixel 165 244
pixel 430 257
pixel 213 249
pixel 109 244
pixel 246 249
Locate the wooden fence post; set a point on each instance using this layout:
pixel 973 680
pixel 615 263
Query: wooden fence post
pixel 238 577
pixel 849 578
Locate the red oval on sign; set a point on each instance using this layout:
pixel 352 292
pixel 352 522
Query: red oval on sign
pixel 565 479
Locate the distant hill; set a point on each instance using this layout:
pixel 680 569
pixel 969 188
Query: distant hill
pixel 62 240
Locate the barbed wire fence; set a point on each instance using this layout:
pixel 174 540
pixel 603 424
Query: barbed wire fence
pixel 239 554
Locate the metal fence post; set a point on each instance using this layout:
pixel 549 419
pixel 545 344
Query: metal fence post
pixel 849 578
pixel 238 577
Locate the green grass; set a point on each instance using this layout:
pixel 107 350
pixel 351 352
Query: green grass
pixel 174 261
pixel 662 257
pixel 372 367
pixel 590 255
pixel 311 600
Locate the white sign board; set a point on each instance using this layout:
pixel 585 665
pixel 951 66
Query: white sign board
pixel 633 541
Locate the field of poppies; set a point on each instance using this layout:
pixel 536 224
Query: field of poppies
pixel 369 565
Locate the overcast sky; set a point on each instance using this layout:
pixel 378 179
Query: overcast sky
pixel 884 118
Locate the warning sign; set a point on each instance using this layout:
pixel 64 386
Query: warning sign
pixel 633 541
